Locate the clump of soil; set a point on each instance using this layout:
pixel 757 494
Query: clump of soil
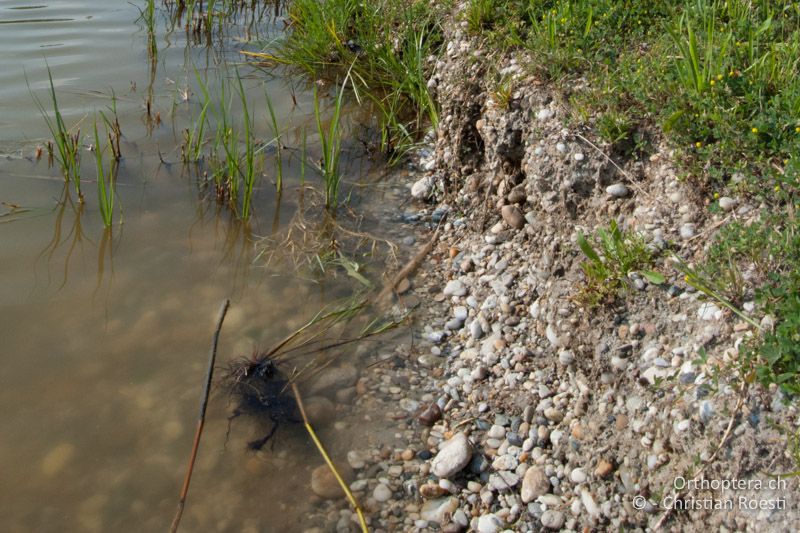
pixel 261 392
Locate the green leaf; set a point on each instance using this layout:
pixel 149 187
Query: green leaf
pixel 653 277
pixel 587 249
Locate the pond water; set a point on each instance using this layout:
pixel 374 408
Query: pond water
pixel 105 334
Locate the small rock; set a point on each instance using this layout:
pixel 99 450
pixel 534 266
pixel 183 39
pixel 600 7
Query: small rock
pixel 422 188
pixel 431 415
pixel 382 493
pixel 489 523
pixel 438 511
pixel 578 156
pixel 454 455
pixel 503 480
pixel 589 503
pixel 455 287
pixel 617 190
pixel 355 460
pixel 566 357
pixel 727 203
pixel 513 216
pixel 687 231
pixel 544 113
pixel 324 483
pixel 403 286
pixel 475 329
pixel 604 468
pixel 534 484
pixel 431 491
pixel 552 519
pixel 578 476
pixel 553 414
pixel 709 311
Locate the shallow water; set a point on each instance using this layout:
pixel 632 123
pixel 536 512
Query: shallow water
pixel 105 335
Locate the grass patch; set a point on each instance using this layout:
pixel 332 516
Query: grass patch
pixel 105 180
pixel 67 143
pixel 758 263
pixel 385 45
pixel 615 258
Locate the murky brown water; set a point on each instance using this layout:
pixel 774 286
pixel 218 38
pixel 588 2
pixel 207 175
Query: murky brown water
pixel 104 337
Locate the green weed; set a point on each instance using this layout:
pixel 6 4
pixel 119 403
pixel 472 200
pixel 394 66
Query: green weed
pixel 385 45
pixel 67 144
pixel 608 268
pixel 331 140
pixel 105 181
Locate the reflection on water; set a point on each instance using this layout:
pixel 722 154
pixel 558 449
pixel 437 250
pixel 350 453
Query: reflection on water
pixel 103 333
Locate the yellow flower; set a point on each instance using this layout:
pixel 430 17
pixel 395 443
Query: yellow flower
pixel 797 129
pixel 719 76
pixel 712 82
pixel 686 278
pixel 698 144
pixel 754 130
pixel 777 188
pixel 716 195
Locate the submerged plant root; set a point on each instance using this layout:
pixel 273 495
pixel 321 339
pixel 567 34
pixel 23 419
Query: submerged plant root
pixel 261 392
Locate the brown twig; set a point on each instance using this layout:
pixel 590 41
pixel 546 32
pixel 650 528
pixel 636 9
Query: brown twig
pixel 410 267
pixel 201 418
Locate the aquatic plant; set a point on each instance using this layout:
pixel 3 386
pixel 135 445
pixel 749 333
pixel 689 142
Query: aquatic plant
pixel 331 140
pixel 67 144
pixel 105 182
pixel 278 145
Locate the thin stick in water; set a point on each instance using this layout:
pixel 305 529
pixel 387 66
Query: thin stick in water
pixel 201 418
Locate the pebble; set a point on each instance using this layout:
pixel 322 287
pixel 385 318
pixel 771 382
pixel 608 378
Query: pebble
pixel 566 357
pixel 552 519
pixel 726 203
pixel 382 493
pixel 513 216
pixel 503 480
pixel 324 483
pixel 455 287
pixel 438 510
pixel 544 114
pixel 489 523
pixel 687 231
pixel 454 455
pixel 475 329
pixel 57 458
pixel 535 483
pixel 604 468
pixel 421 188
pixel 496 432
pixel 617 190
pixel 578 476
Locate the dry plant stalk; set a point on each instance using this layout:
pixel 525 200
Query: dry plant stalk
pixel 201 418
pixel 328 461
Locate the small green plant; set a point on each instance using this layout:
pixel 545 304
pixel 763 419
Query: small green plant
pixel 193 138
pixel 278 145
pixel 331 140
pixel 105 182
pixel 479 14
pixel 67 152
pixel 618 256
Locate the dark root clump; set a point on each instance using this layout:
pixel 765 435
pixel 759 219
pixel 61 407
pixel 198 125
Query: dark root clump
pixel 260 391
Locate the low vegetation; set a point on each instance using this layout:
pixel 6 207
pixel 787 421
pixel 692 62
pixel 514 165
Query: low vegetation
pixel 385 45
pixel 717 79
pixel 617 258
